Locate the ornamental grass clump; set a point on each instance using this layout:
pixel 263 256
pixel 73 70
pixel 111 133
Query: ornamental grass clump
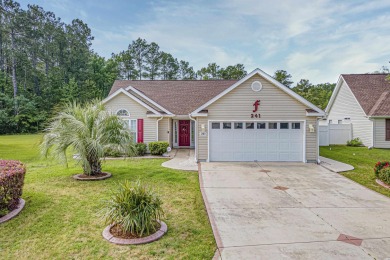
pixel 134 208
pixel 11 185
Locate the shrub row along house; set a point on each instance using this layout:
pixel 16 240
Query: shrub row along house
pixel 363 101
pixel 252 119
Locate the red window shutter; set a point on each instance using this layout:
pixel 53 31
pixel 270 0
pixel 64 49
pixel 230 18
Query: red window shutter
pixel 140 131
pixel 387 129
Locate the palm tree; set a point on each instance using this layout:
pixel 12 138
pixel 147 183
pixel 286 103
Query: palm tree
pixel 88 130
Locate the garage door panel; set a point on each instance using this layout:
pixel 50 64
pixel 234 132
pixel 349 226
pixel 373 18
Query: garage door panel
pixel 272 134
pixel 272 157
pixel 284 156
pixel 256 144
pixel 284 146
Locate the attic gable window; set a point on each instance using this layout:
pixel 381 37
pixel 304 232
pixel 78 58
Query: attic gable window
pixel 122 112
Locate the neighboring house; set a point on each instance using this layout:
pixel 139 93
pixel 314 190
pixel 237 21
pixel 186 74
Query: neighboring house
pixel 362 100
pixel 253 119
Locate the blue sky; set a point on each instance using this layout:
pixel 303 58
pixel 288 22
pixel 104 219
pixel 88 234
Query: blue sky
pixel 316 39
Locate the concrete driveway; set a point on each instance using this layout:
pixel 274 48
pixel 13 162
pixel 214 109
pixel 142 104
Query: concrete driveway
pixel 293 211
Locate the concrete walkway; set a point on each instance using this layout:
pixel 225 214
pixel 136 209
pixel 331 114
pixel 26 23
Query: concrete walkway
pixel 183 159
pixel 335 166
pixel 293 211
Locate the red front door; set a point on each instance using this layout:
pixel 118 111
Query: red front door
pixel 184 133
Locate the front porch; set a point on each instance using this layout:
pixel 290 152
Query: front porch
pixel 183 133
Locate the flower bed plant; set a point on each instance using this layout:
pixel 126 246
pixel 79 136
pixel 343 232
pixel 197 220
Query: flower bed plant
pixel 134 211
pixel 384 175
pixel 379 166
pixel 11 185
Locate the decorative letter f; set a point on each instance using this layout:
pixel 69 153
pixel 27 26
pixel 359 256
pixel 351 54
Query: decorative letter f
pixel 256 105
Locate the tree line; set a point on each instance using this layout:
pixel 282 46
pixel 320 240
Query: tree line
pixel 45 62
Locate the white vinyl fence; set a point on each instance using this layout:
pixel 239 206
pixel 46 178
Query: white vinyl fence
pixel 334 134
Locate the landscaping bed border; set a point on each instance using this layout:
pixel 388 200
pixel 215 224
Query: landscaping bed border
pixel 135 241
pixel 77 177
pixel 14 212
pixel 384 185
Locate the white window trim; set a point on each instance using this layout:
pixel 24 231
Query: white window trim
pixel 116 113
pixel 136 128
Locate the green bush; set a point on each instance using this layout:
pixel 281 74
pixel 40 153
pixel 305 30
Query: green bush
pixel 141 149
pixel 379 166
pixel 111 152
pixel 134 208
pixel 11 185
pixel 158 148
pixel 384 175
pixel 355 142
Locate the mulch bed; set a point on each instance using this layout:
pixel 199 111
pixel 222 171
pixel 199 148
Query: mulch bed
pixel 117 231
pixel 117 236
pixel 96 177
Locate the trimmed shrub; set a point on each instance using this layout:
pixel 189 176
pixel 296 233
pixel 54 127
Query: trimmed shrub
pixel 134 208
pixel 384 175
pixel 110 152
pixel 141 149
pixel 379 166
pixel 355 142
pixel 11 185
pixel 158 148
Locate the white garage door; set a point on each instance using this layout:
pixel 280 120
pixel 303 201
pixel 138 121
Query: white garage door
pixel 256 141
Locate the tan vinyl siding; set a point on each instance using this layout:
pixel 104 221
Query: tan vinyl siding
pixel 275 104
pixel 380 134
pixel 345 105
pixel 311 140
pixel 163 129
pixel 136 112
pixel 202 140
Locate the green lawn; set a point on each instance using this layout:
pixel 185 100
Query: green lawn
pixel 362 159
pixel 60 220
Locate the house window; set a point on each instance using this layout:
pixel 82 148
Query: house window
pixel 330 121
pixel 296 126
pixel 122 112
pixel 339 122
pixel 215 125
pixel 227 125
pixel 238 125
pixel 250 125
pixel 387 129
pixel 283 125
pixel 272 125
pixel 133 129
pixel 260 125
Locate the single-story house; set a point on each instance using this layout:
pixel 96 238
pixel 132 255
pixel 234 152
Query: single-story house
pixel 252 119
pixel 362 100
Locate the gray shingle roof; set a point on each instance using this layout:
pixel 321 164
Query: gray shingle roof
pixel 181 97
pixel 371 91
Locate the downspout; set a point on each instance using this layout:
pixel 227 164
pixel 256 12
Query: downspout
pixel 318 140
pixel 196 136
pixel 158 120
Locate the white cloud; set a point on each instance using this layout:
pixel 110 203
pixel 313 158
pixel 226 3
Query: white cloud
pixel 317 40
